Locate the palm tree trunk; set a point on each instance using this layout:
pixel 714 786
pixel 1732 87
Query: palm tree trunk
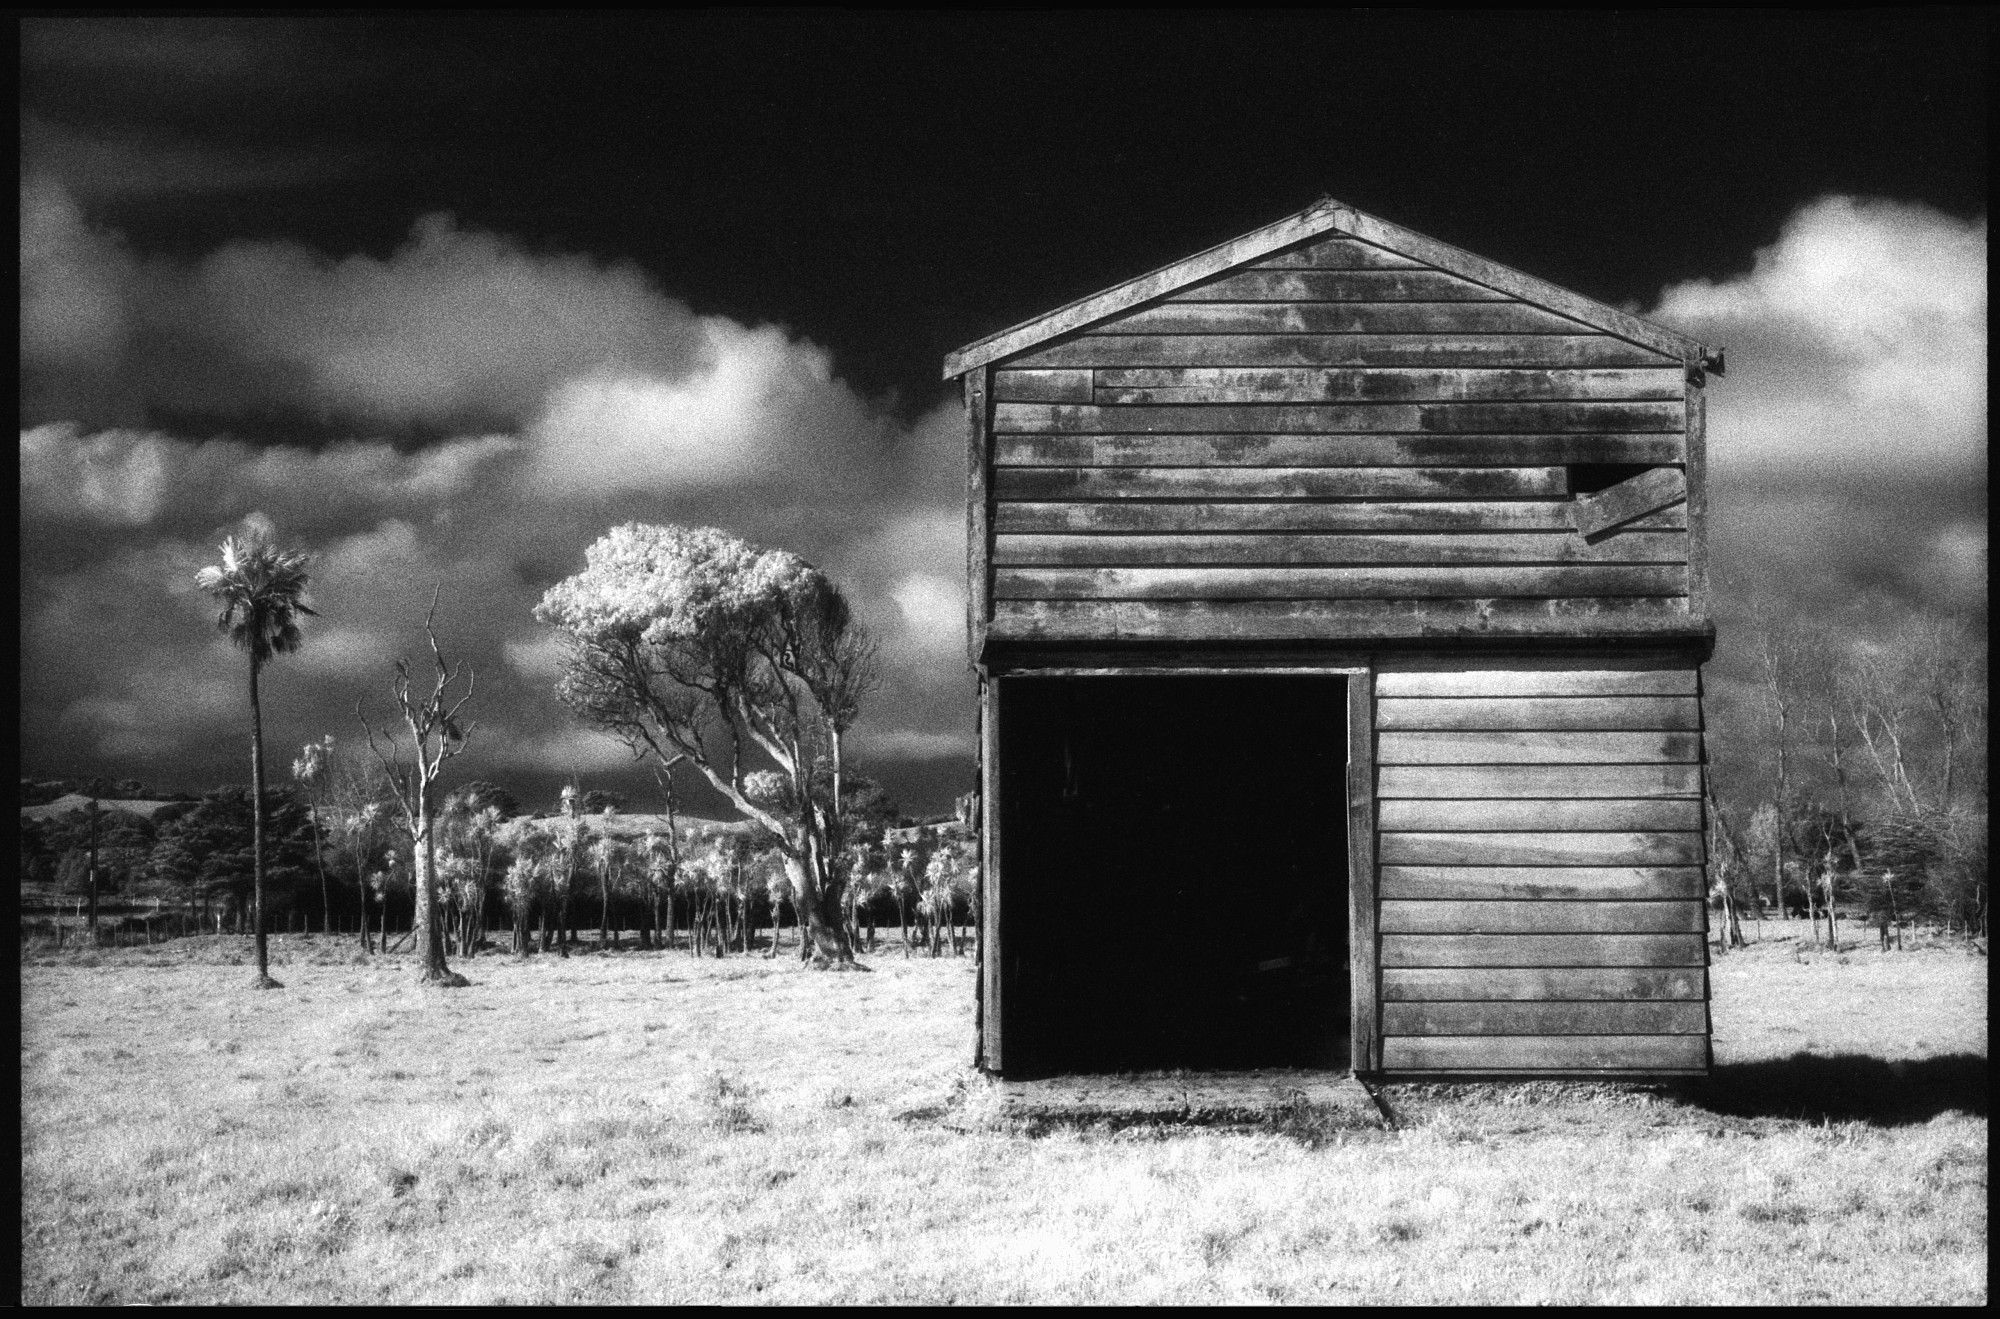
pixel 264 980
pixel 319 864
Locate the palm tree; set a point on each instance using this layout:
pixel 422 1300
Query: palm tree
pixel 262 590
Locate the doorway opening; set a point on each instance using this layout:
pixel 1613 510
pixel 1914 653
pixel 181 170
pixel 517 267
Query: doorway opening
pixel 1174 856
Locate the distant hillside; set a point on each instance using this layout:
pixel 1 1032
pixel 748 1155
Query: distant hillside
pixel 76 801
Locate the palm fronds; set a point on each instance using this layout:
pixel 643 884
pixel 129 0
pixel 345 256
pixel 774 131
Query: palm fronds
pixel 261 590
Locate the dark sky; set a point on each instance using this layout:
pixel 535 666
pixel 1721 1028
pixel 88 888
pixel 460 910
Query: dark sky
pixel 897 185
pixel 884 188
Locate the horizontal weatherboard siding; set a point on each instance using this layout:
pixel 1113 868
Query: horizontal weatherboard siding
pixel 1557 1053
pixel 1340 418
pixel 1181 516
pixel 1330 389
pixel 1504 1018
pixel 1296 583
pixel 1487 883
pixel 1342 620
pixel 1332 450
pixel 1199 550
pixel 1581 950
pixel 1541 880
pixel 1401 916
pixel 1561 781
pixel 1446 713
pixel 1595 814
pixel 1533 351
pixel 1544 984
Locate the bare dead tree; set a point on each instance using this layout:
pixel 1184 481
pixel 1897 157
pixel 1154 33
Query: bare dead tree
pixel 436 735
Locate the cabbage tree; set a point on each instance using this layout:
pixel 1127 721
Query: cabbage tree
pixel 262 590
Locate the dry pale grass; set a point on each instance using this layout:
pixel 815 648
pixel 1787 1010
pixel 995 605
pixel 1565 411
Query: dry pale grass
pixel 653 1128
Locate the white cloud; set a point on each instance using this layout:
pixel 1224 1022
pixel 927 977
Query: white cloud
pixel 933 612
pixel 1857 344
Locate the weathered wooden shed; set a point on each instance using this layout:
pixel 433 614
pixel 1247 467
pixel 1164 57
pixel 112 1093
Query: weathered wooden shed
pixel 1339 605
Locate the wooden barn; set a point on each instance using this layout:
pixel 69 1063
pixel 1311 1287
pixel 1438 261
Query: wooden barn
pixel 1339 604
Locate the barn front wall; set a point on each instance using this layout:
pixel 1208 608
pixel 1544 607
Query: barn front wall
pixel 1338 446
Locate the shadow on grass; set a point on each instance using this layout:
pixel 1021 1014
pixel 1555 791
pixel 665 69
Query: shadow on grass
pixel 1846 1088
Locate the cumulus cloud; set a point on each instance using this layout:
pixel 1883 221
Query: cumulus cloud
pixel 1847 444
pixel 1857 345
pixel 570 394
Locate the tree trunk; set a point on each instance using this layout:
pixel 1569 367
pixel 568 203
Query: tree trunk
pixel 90 872
pixel 603 909
pixel 263 980
pixel 319 864
pixel 823 933
pixel 426 916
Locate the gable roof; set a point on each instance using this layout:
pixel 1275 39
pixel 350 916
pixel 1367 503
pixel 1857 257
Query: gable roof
pixel 1325 216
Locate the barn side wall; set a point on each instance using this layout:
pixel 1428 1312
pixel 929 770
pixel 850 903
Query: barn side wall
pixel 1540 866
pixel 1332 443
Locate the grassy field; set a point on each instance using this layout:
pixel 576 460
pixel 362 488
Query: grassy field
pixel 646 1127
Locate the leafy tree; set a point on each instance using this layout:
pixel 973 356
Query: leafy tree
pixel 262 590
pixel 479 794
pixel 212 849
pixel 695 646
pixel 599 800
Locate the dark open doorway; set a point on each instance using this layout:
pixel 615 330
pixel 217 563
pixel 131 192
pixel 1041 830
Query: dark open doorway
pixel 1174 861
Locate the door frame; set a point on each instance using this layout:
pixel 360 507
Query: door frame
pixel 1363 925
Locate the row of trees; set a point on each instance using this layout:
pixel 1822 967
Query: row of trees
pixel 336 858
pixel 1873 791
pixel 692 646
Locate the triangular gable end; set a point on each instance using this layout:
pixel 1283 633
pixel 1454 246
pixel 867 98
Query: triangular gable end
pixel 1323 218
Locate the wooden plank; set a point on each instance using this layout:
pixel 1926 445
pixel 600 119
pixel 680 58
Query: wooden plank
pixel 1020 517
pixel 1328 550
pixel 1347 450
pixel 1562 781
pixel 1335 254
pixel 1158 385
pixel 1554 1053
pixel 1042 386
pixel 1629 984
pixel 1447 916
pixel 1540 748
pixel 1533 680
pixel 1401 950
pixel 1365 1041
pixel 1552 712
pixel 992 1040
pixel 1193 621
pixel 1649 848
pixel 1308 223
pixel 1543 883
pixel 1094 483
pixel 1697 499
pixel 978 536
pixel 1375 351
pixel 1280 582
pixel 1452 318
pixel 1423 1018
pixel 1588 815
pixel 1606 510
pixel 1330 419
pixel 1444 256
pixel 1418 285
